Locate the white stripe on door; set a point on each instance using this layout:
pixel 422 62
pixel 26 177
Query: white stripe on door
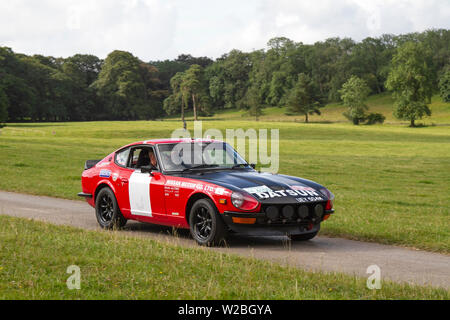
pixel 139 193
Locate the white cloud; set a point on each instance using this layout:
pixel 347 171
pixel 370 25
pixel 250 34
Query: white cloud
pixel 158 29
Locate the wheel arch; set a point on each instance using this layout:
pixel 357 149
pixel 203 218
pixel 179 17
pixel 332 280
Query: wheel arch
pixel 100 187
pixel 192 199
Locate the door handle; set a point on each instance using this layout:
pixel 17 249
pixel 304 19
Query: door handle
pixel 124 180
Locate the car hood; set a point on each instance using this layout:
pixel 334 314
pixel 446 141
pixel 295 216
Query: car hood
pixel 266 187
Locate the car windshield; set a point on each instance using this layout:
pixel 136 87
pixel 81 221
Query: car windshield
pixel 186 156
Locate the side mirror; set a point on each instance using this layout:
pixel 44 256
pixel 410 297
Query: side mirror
pixel 253 165
pixel 148 169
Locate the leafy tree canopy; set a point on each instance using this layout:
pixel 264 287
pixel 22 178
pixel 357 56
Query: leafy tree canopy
pixel 411 81
pixel 304 98
pixel 354 94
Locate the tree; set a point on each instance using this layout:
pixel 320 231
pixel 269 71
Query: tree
pixel 179 97
pixel 280 61
pixel 444 86
pixel 370 60
pixel 125 84
pixel 155 92
pixel 193 83
pixel 411 81
pixel 82 70
pixel 167 69
pixel 4 103
pixel 190 60
pixel 49 88
pixel 354 94
pixel 253 102
pixel 228 79
pixel 329 65
pixel 13 81
pixel 304 98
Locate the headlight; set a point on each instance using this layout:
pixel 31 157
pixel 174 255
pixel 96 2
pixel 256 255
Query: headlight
pixel 243 201
pixel 237 199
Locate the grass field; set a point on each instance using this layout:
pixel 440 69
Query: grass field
pixel 391 182
pixel 114 266
pixel 382 103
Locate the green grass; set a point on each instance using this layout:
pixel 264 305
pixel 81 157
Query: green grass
pixel 391 182
pixel 114 266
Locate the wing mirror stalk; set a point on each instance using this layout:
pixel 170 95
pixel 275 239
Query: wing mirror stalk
pixel 148 169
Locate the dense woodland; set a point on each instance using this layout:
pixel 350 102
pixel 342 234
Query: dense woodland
pixel 122 87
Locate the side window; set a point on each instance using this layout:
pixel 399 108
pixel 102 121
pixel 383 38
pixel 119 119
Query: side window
pixel 136 154
pixel 142 156
pixel 122 157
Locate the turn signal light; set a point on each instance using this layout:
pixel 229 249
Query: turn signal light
pixel 329 205
pixel 244 220
pixel 325 217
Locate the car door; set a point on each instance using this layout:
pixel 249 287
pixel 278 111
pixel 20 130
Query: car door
pixel 120 177
pixel 145 190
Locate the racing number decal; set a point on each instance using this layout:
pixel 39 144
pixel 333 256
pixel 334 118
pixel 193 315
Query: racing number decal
pixel 139 193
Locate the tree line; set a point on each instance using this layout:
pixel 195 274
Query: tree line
pixel 290 74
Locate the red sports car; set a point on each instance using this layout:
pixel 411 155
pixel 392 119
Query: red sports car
pixel 204 186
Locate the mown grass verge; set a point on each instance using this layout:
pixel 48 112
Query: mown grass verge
pixel 34 258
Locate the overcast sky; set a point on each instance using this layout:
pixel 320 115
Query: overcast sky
pixel 163 29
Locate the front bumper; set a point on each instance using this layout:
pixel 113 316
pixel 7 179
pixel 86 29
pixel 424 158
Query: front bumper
pixel 263 226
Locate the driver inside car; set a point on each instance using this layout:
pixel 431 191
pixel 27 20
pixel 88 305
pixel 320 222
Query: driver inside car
pixel 152 157
pixel 146 157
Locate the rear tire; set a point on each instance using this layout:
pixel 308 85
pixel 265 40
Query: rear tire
pixel 206 225
pixel 302 237
pixel 107 210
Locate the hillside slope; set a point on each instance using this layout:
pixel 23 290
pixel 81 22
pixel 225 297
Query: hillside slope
pixel 380 103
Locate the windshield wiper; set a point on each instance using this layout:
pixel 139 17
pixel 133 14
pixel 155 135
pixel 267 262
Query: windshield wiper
pixel 201 166
pixel 240 165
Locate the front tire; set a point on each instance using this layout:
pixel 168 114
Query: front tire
pixel 302 237
pixel 107 210
pixel 206 225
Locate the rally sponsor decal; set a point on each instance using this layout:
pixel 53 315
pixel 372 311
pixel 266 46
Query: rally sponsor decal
pixel 309 199
pixel 196 186
pixel 115 176
pixel 220 191
pixel 185 184
pixel 301 193
pixel 170 191
pixel 105 173
pixel 258 189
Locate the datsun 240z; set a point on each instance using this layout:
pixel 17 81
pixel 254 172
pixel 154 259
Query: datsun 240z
pixel 204 186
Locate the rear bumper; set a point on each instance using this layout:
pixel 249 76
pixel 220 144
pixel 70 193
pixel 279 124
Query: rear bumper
pixel 261 227
pixel 85 195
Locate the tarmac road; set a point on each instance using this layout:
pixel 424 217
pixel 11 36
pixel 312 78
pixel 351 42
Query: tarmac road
pixel 322 253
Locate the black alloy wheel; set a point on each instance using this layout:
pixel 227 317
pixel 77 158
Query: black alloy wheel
pixel 107 210
pixel 206 225
pixel 202 223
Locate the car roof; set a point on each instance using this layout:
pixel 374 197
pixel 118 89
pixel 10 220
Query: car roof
pixel 167 141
